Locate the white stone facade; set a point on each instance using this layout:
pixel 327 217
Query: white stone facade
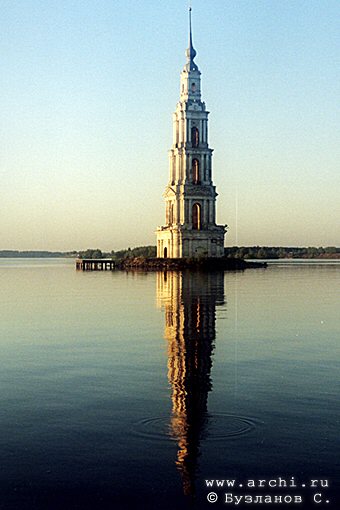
pixel 190 228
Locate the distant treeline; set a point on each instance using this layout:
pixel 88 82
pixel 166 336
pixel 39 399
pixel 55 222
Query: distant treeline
pixel 243 252
pixel 240 252
pixel 139 251
pixel 35 254
pixel 279 252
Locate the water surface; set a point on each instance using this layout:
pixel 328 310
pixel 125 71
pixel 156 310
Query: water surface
pixel 129 390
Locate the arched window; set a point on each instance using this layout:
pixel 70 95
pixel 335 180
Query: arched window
pixel 196 217
pixel 195 137
pixel 195 171
pixel 193 87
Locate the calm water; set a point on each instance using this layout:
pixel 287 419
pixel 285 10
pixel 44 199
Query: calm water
pixel 130 390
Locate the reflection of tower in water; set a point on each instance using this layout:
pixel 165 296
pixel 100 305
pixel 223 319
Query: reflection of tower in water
pixel 189 300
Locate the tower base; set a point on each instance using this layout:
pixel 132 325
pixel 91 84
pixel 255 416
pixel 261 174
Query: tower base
pixel 183 242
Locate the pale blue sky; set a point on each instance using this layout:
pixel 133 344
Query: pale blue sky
pixel 87 93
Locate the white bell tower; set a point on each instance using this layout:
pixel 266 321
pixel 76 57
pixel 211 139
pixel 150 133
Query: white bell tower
pixel 190 228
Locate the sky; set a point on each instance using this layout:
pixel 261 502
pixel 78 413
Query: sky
pixel 87 92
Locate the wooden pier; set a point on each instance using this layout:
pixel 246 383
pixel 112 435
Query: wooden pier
pixel 95 264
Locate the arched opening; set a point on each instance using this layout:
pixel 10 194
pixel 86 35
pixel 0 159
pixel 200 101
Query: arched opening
pixel 195 137
pixel 195 171
pixel 165 252
pixel 196 217
pixel 193 87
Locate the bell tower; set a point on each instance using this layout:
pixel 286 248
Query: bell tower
pixel 190 228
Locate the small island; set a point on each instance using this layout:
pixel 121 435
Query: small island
pixel 235 258
pixel 161 264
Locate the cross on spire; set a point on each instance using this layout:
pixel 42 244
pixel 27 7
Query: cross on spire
pixel 191 52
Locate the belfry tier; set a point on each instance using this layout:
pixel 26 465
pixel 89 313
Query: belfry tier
pixel 190 134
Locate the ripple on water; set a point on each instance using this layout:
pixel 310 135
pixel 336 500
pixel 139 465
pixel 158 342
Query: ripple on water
pixel 211 427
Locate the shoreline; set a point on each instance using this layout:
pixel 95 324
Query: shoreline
pixel 205 264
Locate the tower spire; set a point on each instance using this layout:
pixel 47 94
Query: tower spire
pixel 191 52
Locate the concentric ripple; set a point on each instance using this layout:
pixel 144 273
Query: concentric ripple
pixel 211 427
pixel 226 426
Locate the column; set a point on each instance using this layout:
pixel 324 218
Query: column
pixel 174 129
pixel 188 171
pixel 186 134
